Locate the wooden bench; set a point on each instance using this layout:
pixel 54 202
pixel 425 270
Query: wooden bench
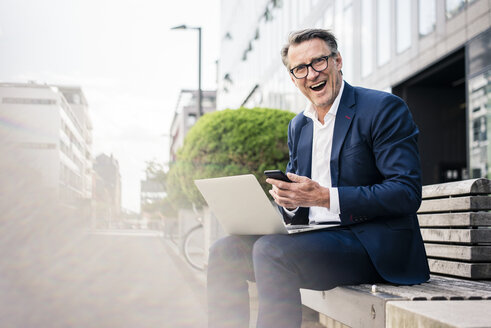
pixel 456 229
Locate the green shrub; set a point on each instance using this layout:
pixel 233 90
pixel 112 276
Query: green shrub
pixel 229 142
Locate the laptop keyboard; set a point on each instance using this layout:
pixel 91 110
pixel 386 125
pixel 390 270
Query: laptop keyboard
pixel 298 226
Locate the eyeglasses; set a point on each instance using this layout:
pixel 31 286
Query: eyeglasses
pixel 318 65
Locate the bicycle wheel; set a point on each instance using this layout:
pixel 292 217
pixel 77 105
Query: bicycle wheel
pixel 194 248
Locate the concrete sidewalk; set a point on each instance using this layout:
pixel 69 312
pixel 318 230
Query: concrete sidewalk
pixel 82 280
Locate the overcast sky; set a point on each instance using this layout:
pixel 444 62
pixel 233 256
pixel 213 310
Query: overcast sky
pixel 128 62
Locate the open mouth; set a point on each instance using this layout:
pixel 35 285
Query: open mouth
pixel 319 86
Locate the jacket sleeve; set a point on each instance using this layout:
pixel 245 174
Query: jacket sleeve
pixel 395 152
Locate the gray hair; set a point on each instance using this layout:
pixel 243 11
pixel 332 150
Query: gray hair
pixel 298 37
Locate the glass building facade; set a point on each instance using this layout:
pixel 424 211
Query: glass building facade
pixel 479 100
pixel 384 44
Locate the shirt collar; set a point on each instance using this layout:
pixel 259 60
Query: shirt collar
pixel 311 113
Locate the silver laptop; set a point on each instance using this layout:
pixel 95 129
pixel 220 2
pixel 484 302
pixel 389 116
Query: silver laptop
pixel 242 208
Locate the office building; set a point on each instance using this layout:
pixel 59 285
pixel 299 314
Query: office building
pixel 48 130
pixel 435 54
pixel 106 190
pixel 78 104
pixel 186 114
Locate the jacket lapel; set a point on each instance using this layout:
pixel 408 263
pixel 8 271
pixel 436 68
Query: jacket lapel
pixel 304 153
pixel 344 117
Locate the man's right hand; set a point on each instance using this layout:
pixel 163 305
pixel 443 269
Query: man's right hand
pixel 304 192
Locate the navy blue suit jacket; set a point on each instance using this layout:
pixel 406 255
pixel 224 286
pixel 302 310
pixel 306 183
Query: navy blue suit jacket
pixel 375 166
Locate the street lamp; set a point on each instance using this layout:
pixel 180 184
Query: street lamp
pixel 200 95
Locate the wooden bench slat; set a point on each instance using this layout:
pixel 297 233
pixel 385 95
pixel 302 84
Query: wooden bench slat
pixel 402 291
pixel 467 293
pixel 459 252
pixel 460 269
pixel 467 219
pixel 439 293
pixel 465 236
pixel 484 286
pixel 435 288
pixel 465 187
pixel 420 292
pixel 466 203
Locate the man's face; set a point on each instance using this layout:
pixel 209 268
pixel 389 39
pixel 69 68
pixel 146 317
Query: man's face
pixel 321 88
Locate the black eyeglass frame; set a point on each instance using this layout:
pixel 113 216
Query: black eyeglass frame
pixel 310 65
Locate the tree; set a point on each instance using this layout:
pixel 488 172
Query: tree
pixel 156 175
pixel 155 171
pixel 229 142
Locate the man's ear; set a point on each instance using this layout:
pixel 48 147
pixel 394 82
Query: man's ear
pixel 294 80
pixel 339 61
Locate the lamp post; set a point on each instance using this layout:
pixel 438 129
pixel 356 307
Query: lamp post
pixel 200 93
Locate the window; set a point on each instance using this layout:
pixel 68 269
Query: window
pixel 383 32
pixel 305 4
pixel 191 119
pixel 328 23
pixel 28 101
pixel 76 99
pixel 208 102
pixel 479 100
pixel 348 43
pixel 403 25
pixel 453 7
pixel 366 37
pixel 427 16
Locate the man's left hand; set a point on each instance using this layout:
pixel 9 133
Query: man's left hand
pixel 302 192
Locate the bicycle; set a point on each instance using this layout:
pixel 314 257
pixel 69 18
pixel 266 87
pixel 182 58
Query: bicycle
pixel 193 245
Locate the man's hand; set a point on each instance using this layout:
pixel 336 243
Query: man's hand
pixel 303 192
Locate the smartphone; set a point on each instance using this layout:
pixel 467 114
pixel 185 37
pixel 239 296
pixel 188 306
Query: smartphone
pixel 277 174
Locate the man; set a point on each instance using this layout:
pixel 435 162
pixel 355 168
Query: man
pixel 353 158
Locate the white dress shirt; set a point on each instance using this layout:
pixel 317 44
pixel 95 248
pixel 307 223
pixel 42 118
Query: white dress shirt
pixel 321 159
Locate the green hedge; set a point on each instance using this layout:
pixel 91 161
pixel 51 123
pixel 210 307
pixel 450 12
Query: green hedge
pixel 229 142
